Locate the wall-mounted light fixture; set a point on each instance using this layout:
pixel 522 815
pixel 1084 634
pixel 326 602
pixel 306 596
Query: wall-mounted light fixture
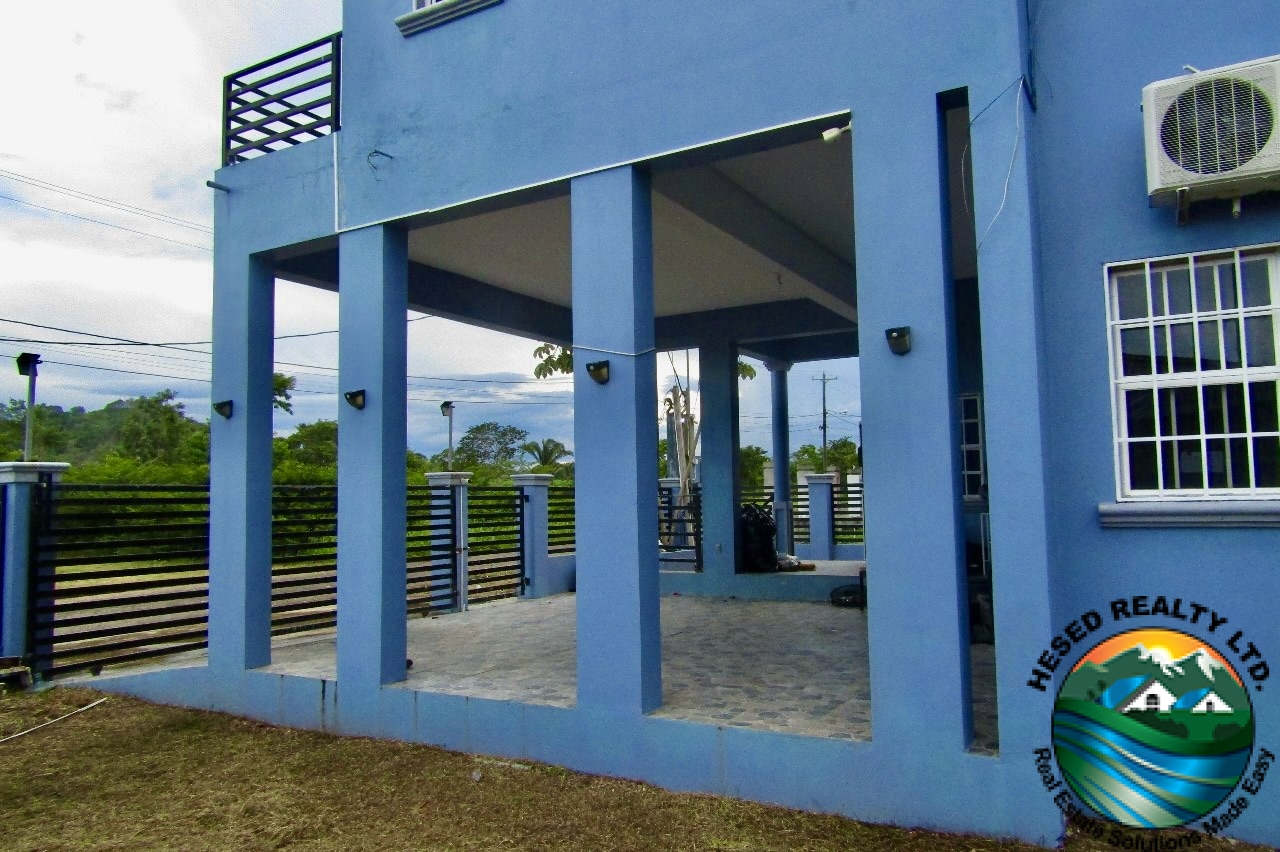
pixel 836 132
pixel 224 408
pixel 598 371
pixel 355 398
pixel 446 409
pixel 899 339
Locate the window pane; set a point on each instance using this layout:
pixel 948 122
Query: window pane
pixel 1142 466
pixel 1238 462
pixel 972 485
pixel 1227 287
pixel 1190 471
pixel 969 407
pixel 1235 409
pixel 971 432
pixel 1162 350
pixel 1262 403
pixel 1168 465
pixel 1157 295
pixel 1206 293
pixel 1179 283
pixel 1231 344
pixel 1166 411
pixel 1135 344
pixel 1183 337
pixel 1257 283
pixel 972 460
pixel 1131 295
pixel 1266 462
pixel 1216 456
pixel 1259 334
pixel 1186 411
pixel 1210 355
pixel 1140 414
pixel 1215 409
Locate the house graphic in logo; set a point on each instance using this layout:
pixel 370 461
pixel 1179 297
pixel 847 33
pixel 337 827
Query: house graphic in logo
pixel 1153 729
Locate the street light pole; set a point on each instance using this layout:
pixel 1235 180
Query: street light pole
pixel 27 362
pixel 446 408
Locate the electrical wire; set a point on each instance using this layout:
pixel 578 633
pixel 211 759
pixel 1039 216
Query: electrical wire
pixel 106 202
pixel 107 224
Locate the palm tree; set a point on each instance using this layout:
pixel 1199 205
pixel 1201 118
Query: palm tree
pixel 547 455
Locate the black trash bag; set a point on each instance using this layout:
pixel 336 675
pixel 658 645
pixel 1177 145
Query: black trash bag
pixel 758 530
pixel 852 595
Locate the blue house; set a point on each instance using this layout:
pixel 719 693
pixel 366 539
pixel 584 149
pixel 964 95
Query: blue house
pixel 955 192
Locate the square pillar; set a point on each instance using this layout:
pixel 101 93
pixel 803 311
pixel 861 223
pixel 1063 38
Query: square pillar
pixel 457 483
pixel 718 385
pixel 781 416
pixel 616 442
pixel 917 613
pixel 372 301
pixel 240 462
pixel 18 480
pixel 822 515
pixel 534 491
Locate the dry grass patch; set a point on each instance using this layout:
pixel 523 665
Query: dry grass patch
pixel 127 775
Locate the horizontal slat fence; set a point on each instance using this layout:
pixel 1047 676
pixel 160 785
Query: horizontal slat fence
pixel 495 541
pixel 121 572
pixel 800 514
pixel 847 509
pixel 561 536
pixel 680 529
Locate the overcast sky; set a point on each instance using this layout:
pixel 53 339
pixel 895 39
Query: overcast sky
pixel 125 108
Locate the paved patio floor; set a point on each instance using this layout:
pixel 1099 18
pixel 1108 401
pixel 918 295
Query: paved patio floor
pixel 795 667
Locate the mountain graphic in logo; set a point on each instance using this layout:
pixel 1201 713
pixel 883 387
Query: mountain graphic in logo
pixel 1153 729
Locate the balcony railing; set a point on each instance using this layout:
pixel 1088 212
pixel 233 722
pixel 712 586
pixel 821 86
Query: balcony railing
pixel 289 99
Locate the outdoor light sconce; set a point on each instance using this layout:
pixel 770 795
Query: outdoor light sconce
pixel 355 399
pixel 224 408
pixel 598 371
pixel 27 364
pixel 899 339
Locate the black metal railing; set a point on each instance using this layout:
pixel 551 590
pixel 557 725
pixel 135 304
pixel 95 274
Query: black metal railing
pixel 495 542
pixel 680 529
pixel 289 99
pixel 561 525
pixel 846 509
pixel 800 514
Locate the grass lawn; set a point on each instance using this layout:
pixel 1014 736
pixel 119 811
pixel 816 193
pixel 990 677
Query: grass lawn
pixel 127 775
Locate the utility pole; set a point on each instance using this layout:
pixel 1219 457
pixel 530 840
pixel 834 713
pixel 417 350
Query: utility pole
pixel 27 367
pixel 824 381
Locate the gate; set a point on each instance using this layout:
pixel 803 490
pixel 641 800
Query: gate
pixel 431 549
pixel 680 530
pixel 495 543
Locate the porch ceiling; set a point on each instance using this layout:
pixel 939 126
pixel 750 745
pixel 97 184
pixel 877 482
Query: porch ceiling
pixel 755 229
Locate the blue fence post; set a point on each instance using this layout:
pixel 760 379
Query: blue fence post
pixel 457 481
pixel 535 490
pixel 822 533
pixel 19 480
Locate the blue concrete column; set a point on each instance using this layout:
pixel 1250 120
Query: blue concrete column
pixel 240 462
pixel 534 488
pixel 1013 399
pixel 372 300
pixel 822 531
pixel 718 390
pixel 19 479
pixel 778 371
pixel 917 609
pixel 457 481
pixel 616 442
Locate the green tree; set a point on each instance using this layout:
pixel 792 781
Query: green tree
pixel 842 454
pixel 554 358
pixel 282 388
pixel 490 443
pixel 156 429
pixel 547 455
pixel 751 461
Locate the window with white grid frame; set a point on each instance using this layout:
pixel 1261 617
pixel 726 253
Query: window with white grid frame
pixel 1194 375
pixel 973 474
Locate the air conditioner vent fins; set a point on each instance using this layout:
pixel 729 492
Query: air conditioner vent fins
pixel 1217 126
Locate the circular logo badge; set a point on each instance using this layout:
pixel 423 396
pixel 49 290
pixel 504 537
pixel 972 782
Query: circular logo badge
pixel 1152 728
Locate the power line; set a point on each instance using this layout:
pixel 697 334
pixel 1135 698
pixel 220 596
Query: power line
pixel 108 202
pixel 107 224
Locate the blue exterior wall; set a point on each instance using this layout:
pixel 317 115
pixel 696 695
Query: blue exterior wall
pixel 528 93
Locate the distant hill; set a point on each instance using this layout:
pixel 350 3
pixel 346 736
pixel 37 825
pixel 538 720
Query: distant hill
pixel 1188 679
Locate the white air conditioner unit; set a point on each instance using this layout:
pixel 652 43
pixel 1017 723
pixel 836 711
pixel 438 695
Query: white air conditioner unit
pixel 1213 134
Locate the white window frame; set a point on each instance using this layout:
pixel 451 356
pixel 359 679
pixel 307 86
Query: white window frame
pixel 1198 378
pixel 966 448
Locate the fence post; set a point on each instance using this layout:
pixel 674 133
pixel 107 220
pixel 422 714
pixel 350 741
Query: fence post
pixel 535 491
pixel 19 480
pixel 457 481
pixel 822 533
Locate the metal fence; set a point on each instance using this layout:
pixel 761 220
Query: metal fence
pixel 289 99
pixel 800 514
pixel 495 536
pixel 561 526
pixel 680 529
pixel 120 573
pixel 847 513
